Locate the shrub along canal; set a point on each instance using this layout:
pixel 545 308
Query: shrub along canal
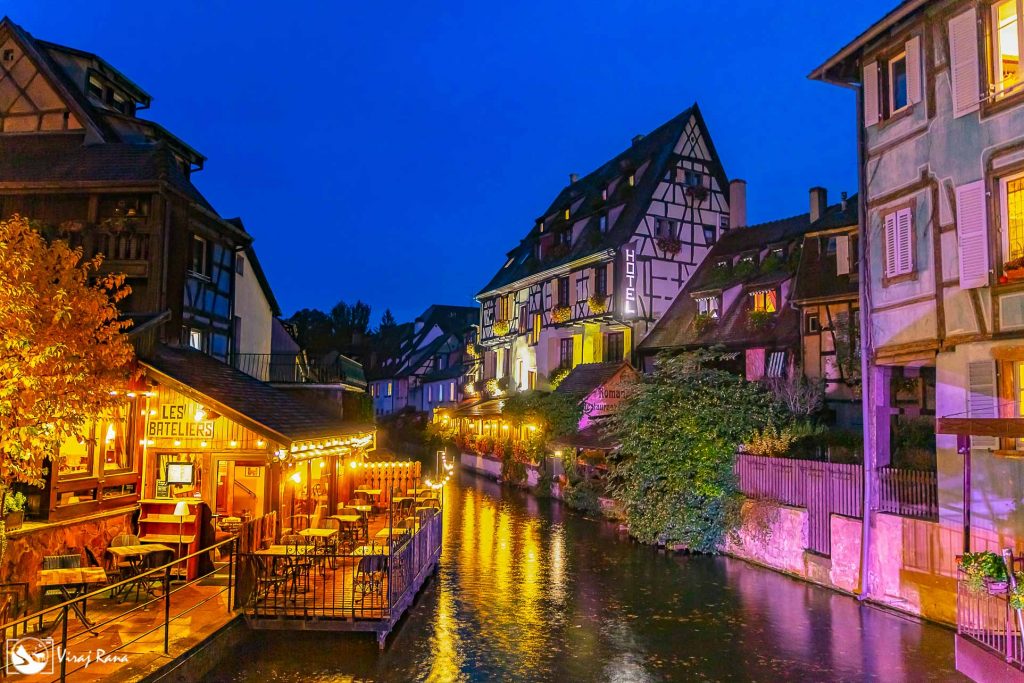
pixel 528 590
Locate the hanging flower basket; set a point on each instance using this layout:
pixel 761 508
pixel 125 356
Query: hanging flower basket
pixel 697 192
pixel 561 314
pixel 502 327
pixel 598 304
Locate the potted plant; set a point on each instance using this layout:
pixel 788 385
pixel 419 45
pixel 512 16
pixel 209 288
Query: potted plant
pixel 501 328
pixel 598 304
pixel 14 510
pixel 1014 269
pixel 701 322
pixel 1017 592
pixel 759 320
pixel 984 571
pixel 698 192
pixel 561 314
pixel 669 245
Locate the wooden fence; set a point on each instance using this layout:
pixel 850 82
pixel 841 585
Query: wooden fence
pixel 826 488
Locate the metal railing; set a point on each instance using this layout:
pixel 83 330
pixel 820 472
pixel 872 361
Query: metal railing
pixel 345 579
pixel 291 368
pixel 152 580
pixel 908 493
pixel 987 619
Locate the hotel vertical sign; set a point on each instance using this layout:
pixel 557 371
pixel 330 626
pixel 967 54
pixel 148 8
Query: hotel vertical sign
pixel 628 281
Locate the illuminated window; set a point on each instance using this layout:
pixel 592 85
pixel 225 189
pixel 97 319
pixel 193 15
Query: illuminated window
pixel 708 306
pixel 566 214
pixel 195 339
pixel 765 301
pixel 898 83
pixel 76 455
pixel 113 443
pixel 603 222
pixel 1006 39
pixel 812 324
pixel 94 87
pixel 1013 217
pixel 451 391
pixel 389 388
pixel 535 329
pixel 531 379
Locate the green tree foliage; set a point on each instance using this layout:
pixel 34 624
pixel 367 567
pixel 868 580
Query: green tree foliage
pixel 554 414
pixel 679 429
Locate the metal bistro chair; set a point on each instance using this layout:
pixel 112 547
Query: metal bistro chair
pixel 154 582
pixel 271 580
pixel 368 579
pixel 352 533
pixel 329 547
pixel 300 565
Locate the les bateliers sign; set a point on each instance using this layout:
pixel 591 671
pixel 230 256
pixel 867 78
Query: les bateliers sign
pixel 175 422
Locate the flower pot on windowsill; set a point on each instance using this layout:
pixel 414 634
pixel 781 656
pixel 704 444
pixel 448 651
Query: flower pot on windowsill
pixel 1014 274
pixel 14 520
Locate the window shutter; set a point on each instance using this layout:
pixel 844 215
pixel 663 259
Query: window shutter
pixel 843 255
pixel 904 242
pixel 890 245
pixel 963 57
pixel 871 108
pixel 981 398
pixel 972 233
pixel 914 94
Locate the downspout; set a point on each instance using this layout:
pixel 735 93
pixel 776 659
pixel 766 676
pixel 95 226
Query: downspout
pixel 868 413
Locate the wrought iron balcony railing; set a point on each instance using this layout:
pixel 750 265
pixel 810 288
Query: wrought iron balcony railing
pixel 294 368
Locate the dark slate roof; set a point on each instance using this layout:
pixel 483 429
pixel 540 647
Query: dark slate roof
pixel 451 372
pixel 585 378
pixel 415 351
pixel 816 278
pixel 657 150
pixel 272 412
pixel 64 158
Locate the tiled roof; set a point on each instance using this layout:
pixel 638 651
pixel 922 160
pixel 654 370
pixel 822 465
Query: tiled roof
pixel 817 276
pixel 585 378
pixel 272 412
pixel 583 198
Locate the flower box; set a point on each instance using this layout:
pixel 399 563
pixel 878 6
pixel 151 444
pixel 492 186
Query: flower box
pixel 561 314
pixel 669 245
pixel 1014 274
pixel 598 304
pixel 14 520
pixel 502 328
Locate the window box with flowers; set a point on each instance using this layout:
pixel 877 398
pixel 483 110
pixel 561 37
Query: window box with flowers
pixel 701 323
pixel 669 245
pixel 472 350
pixel 501 328
pixel 557 375
pixel 697 192
pixel 984 572
pixel 561 314
pixel 759 320
pixel 1013 270
pixel 598 304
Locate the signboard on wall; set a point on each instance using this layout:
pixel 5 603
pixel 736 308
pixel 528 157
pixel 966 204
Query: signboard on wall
pixel 173 421
pixel 628 281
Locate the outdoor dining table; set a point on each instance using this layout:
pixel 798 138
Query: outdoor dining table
pixel 72 583
pixel 134 556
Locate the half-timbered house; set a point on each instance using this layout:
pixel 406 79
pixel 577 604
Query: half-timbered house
pixel 940 115
pixel 606 259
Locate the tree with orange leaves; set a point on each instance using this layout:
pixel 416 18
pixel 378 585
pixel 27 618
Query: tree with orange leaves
pixel 64 359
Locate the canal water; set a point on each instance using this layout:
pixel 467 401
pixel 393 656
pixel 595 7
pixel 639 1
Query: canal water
pixel 530 591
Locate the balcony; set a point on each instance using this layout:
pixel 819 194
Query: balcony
pixel 988 643
pixel 298 368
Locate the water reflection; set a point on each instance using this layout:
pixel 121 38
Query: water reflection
pixel 527 591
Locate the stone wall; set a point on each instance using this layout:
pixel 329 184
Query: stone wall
pixel 27 546
pixel 912 563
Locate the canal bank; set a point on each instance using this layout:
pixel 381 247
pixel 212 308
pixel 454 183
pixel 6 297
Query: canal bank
pixel 528 590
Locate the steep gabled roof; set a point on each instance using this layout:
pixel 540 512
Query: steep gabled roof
pixel 585 378
pixel 652 154
pixel 418 347
pixel 817 277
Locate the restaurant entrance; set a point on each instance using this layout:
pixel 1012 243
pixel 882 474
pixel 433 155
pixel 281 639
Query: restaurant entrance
pixel 241 487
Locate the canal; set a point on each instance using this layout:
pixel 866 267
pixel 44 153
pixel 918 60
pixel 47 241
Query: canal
pixel 528 590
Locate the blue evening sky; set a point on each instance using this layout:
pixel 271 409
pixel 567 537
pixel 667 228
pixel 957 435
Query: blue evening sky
pixel 393 152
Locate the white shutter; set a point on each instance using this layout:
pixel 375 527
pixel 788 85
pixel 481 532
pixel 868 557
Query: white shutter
pixel 904 242
pixel 890 245
pixel 843 255
pixel 981 398
pixel 871 108
pixel 963 57
pixel 914 94
pixel 972 233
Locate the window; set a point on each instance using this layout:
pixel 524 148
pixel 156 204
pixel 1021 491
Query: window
pixel 76 456
pixel 899 259
pixel 1006 42
pixel 563 291
pixel 199 247
pixel 604 194
pixel 631 180
pixel 535 329
pixel 708 306
pixel 531 379
pixel 565 353
pixel 723 222
pixel 565 237
pixel 601 280
pixel 602 222
pixel 520 375
pixel 239 264
pixel 614 346
pixel 195 339
pixel 812 324
pixel 664 227
pixel 766 301
pixel 776 365
pixel 693 179
pixel 898 83
pixel 8 55
pixel 1012 200
pixel 451 392
pixel 94 87
pixel 389 388
pixel 709 234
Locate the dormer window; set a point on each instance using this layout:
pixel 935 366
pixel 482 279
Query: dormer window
pixel 749 258
pixel 565 237
pixel 94 88
pixel 765 301
pixel 566 214
pixel 120 103
pixel 604 194
pixel 540 226
pixel 631 180
pixel 708 306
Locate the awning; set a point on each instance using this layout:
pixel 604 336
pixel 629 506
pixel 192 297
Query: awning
pixel 487 407
pixel 592 438
pixel 272 413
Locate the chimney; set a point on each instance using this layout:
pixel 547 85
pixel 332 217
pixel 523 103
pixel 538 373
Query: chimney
pixel 844 198
pixel 819 202
pixel 738 204
pixel 573 178
pixel 637 139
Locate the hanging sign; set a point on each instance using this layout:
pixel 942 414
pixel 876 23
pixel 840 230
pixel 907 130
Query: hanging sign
pixel 628 278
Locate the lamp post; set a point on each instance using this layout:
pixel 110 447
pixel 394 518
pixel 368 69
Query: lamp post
pixel 181 511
